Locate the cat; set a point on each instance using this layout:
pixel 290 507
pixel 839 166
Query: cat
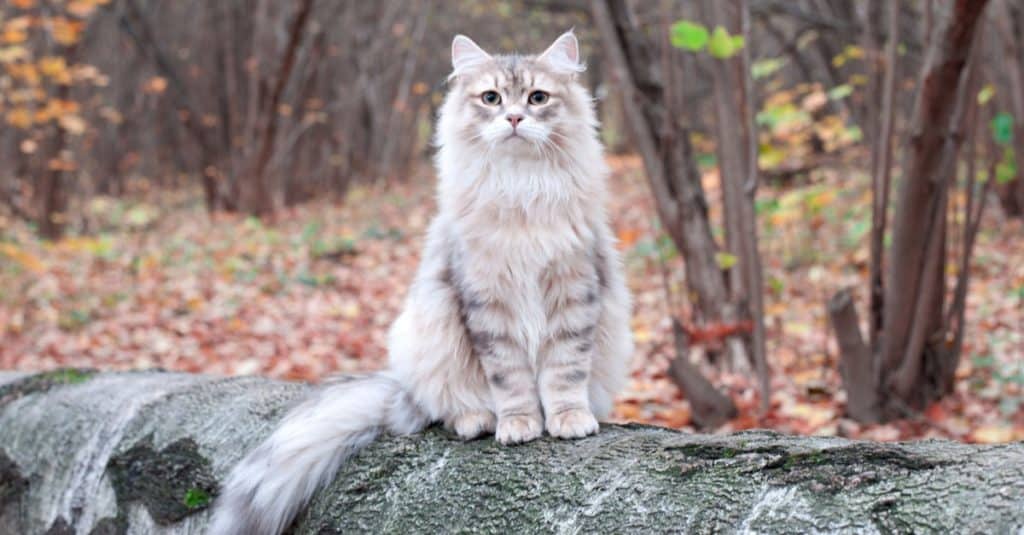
pixel 517 321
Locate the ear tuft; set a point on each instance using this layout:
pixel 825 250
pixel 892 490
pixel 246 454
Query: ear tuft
pixel 564 54
pixel 466 54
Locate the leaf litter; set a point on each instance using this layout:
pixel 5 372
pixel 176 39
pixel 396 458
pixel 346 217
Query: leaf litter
pixel 161 284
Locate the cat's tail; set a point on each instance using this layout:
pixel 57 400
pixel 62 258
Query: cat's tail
pixel 269 486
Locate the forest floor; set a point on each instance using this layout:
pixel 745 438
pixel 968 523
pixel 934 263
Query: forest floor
pixel 156 282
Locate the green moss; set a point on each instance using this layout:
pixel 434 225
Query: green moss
pixel 171 483
pixel 42 382
pixel 836 469
pixel 195 498
pixel 68 376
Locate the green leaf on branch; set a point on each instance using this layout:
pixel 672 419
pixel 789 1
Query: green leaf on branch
pixel 1006 169
pixel 689 36
pixel 1002 128
pixel 726 260
pixel 766 67
pixel 722 45
pixel 840 92
pixel 986 94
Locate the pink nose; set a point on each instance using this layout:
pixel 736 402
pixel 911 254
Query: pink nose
pixel 514 118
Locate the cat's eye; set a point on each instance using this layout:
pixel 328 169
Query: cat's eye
pixel 491 98
pixel 538 97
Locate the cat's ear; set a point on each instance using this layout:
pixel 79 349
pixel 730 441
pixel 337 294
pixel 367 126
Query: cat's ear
pixel 466 53
pixel 564 54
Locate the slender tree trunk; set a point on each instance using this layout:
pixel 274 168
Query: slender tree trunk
pixel 50 191
pixel 1007 19
pixel 881 170
pixel 917 253
pixel 751 261
pixel 737 159
pixel 916 356
pixel 261 191
pixel 668 159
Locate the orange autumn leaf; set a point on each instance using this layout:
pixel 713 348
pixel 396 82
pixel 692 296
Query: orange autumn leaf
pixel 24 258
pixel 19 118
pixel 13 36
pixel 66 31
pixel 627 237
pixel 82 8
pixel 55 68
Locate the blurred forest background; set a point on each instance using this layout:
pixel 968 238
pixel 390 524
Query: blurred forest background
pixel 819 201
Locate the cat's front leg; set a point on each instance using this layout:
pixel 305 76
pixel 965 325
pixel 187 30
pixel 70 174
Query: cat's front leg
pixel 506 365
pixel 513 387
pixel 563 383
pixel 573 300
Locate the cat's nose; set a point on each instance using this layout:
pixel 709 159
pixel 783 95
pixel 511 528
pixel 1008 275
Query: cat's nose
pixel 514 118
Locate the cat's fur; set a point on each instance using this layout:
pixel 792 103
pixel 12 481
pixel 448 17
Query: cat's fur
pixel 518 319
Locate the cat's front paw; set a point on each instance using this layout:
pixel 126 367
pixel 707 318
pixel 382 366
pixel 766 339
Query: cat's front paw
pixel 472 424
pixel 518 429
pixel 572 423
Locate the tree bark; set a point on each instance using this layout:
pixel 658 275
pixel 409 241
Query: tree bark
pixel 144 452
pixel 911 297
pixel 856 360
pixel 1009 23
pixel 261 189
pixel 881 166
pixel 737 162
pixel 668 159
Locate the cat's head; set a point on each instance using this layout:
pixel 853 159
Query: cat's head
pixel 512 104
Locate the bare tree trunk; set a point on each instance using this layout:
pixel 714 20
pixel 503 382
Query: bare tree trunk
pixel 737 160
pixel 857 362
pixel 914 361
pixel 881 171
pixel 1009 20
pixel 751 260
pixel 261 192
pixel 909 331
pixel 138 28
pixel 50 191
pixel 668 159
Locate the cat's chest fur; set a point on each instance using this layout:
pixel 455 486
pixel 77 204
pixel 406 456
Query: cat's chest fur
pixel 511 257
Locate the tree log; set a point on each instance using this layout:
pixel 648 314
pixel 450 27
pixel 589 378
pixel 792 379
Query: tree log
pixel 143 452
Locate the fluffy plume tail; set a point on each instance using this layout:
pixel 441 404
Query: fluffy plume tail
pixel 266 490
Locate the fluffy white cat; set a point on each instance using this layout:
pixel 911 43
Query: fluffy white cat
pixel 518 320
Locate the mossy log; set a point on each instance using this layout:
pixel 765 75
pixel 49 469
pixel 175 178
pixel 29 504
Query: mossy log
pixel 98 453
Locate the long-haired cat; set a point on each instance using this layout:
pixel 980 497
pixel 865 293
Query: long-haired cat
pixel 518 319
